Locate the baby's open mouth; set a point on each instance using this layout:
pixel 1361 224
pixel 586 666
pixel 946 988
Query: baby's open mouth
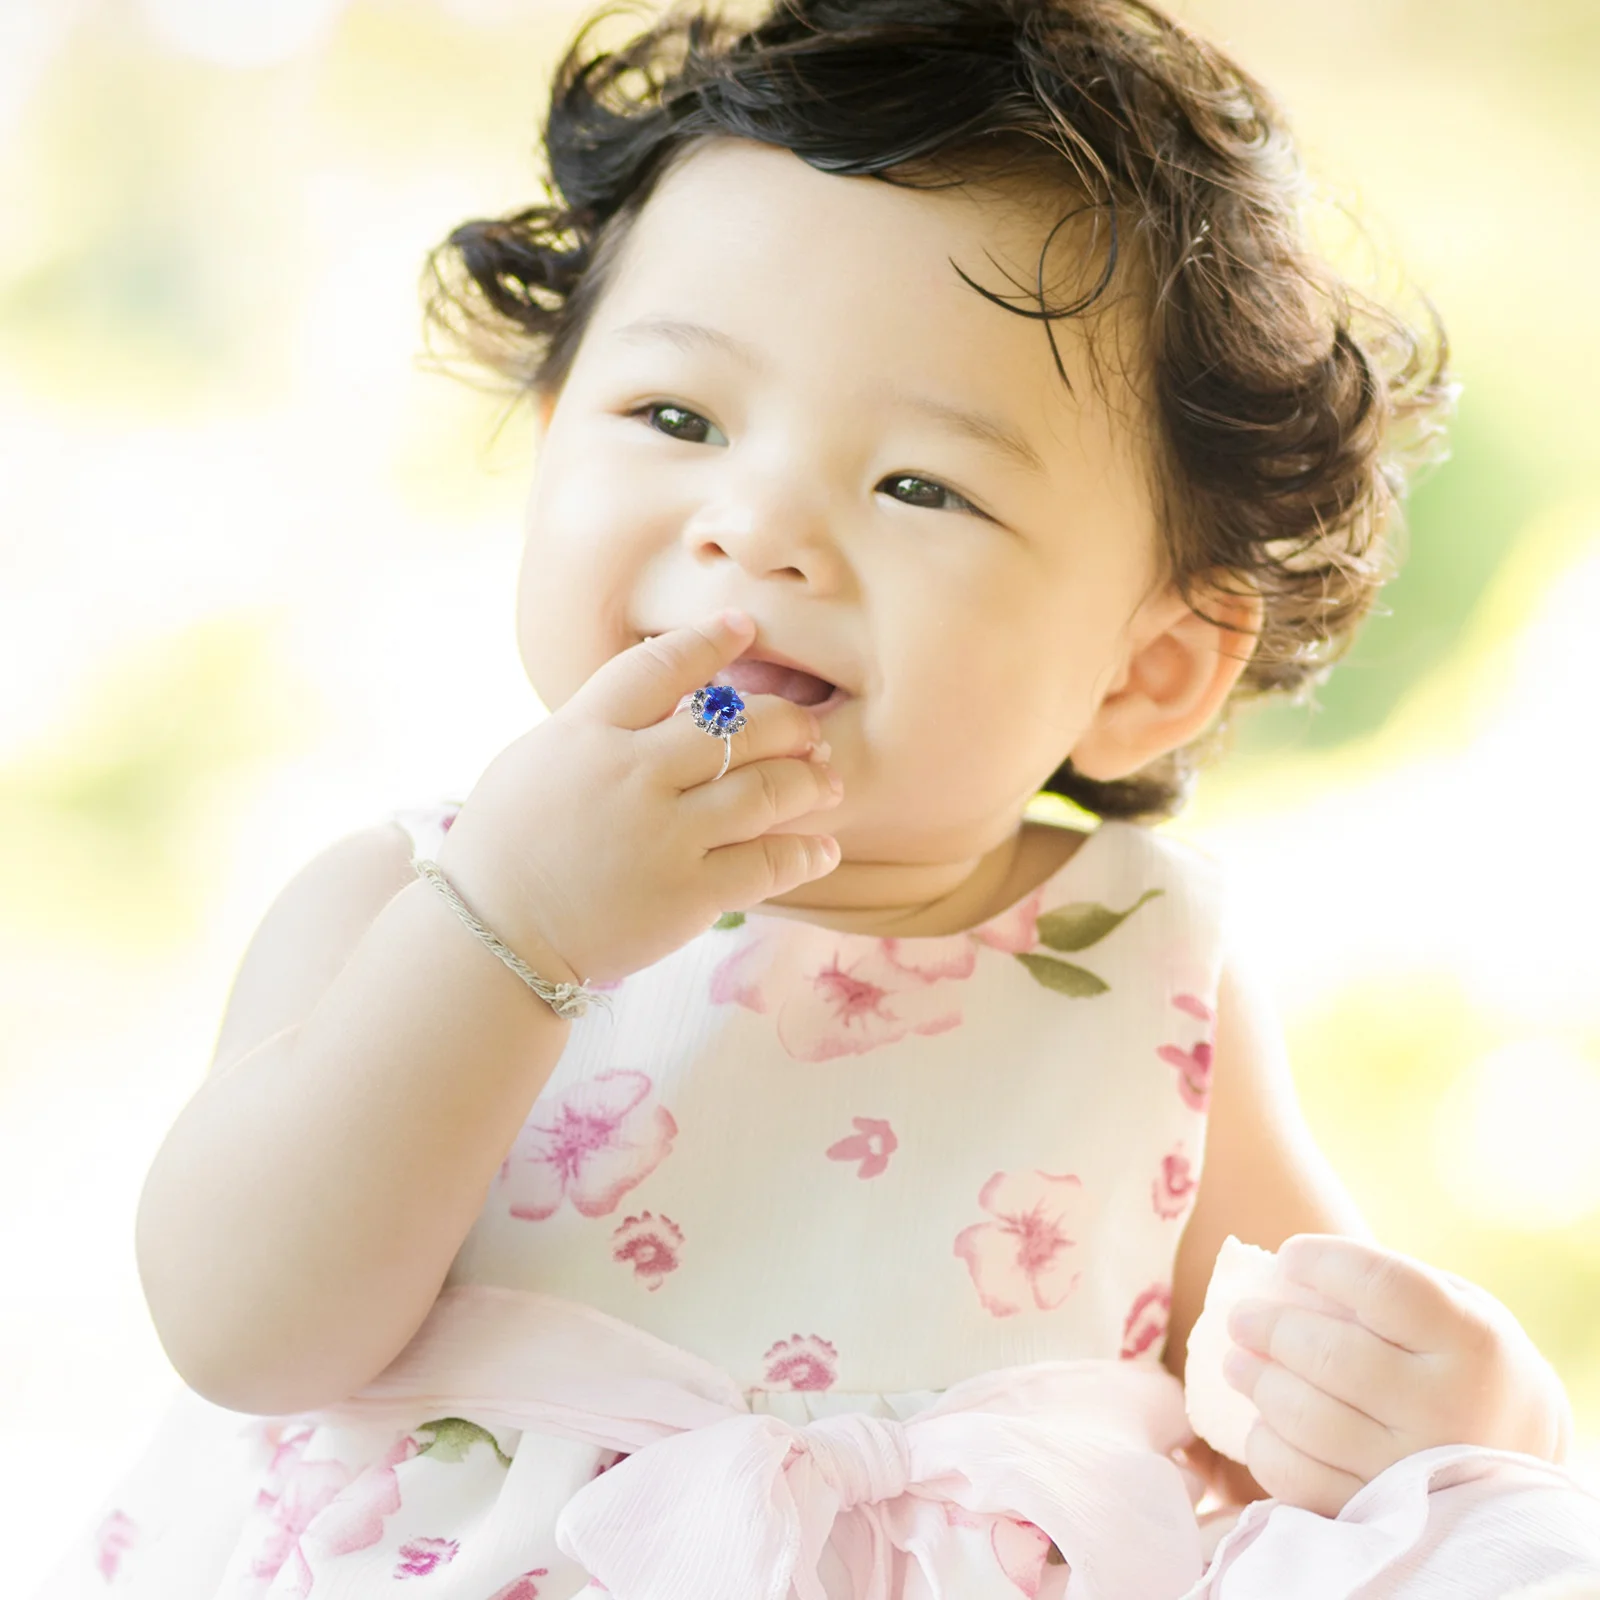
pixel 767 677
pixel 750 674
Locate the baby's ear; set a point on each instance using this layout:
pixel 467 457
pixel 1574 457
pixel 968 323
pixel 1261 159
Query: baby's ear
pixel 1178 668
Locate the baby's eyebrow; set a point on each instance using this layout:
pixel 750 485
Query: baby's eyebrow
pixel 992 432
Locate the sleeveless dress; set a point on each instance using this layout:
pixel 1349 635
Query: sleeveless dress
pixel 824 1265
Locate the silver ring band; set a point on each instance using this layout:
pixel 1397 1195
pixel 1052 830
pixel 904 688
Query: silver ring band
pixel 718 710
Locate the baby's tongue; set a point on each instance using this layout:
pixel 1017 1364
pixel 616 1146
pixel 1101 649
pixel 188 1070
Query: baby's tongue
pixel 764 677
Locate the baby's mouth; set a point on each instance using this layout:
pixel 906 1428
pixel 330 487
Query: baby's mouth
pixel 753 676
pixel 767 677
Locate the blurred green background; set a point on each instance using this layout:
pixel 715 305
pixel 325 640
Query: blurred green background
pixel 258 567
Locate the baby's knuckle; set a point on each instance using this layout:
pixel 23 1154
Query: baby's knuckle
pixel 1292 1410
pixel 664 650
pixel 1486 1338
pixel 786 854
pixel 1384 1275
pixel 1476 1344
pixel 1272 1464
pixel 1322 1356
pixel 770 792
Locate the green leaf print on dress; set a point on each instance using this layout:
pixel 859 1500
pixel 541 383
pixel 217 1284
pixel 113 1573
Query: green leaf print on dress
pixel 1075 927
pixel 454 1437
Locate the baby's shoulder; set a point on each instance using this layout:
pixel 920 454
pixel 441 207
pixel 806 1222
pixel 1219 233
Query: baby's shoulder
pixel 307 935
pixel 1119 856
pixel 424 824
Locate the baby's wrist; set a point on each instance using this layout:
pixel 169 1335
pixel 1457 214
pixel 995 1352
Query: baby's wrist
pixel 476 882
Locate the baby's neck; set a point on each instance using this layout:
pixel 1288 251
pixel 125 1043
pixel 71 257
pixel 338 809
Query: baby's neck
pixel 878 899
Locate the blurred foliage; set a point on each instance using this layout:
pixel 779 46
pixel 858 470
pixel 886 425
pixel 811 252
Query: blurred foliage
pixel 1460 521
pixel 115 829
pixel 1374 1103
pixel 160 276
pixel 1430 714
pixel 1372 1066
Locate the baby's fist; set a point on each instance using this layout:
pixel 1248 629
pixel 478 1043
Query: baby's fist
pixel 1421 1358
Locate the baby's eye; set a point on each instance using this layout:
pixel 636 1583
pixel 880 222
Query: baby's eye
pixel 938 489
pixel 670 411
pixel 667 410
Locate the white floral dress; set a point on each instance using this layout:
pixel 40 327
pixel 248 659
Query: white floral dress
pixel 826 1265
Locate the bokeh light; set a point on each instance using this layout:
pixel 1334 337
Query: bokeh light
pixel 1515 1137
pixel 241 33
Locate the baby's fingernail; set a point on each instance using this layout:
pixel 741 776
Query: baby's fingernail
pixel 733 622
pixel 1236 1369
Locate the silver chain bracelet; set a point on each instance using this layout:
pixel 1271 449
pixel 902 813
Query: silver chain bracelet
pixel 566 999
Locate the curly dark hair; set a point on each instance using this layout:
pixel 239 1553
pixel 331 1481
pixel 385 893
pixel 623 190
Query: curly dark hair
pixel 1290 407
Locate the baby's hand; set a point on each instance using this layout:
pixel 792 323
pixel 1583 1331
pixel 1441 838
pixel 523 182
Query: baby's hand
pixel 603 836
pixel 1427 1359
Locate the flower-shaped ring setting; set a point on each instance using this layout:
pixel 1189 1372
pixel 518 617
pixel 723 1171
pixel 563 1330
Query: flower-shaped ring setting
pixel 719 710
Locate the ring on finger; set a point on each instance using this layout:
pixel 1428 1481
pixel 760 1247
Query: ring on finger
pixel 718 709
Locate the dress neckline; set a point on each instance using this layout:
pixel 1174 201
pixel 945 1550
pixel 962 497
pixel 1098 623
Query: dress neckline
pixel 1052 882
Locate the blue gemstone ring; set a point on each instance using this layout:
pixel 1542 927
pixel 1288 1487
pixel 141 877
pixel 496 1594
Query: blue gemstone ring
pixel 719 710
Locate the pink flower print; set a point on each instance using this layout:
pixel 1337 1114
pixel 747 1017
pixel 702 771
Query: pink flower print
pixel 311 1486
pixel 418 1557
pixel 522 1588
pixel 1014 930
pixel 1194 1072
pixel 1025 1254
pixel 932 959
pixel 650 1243
pixel 872 1146
pixel 807 1362
pixel 855 998
pixel 959 1517
pixel 861 1002
pixel 1020 1548
pixel 354 1520
pixel 738 979
pixel 1194 1064
pixel 298 1584
pixel 863 992
pixel 449 817
pixel 591 1144
pixel 288 1444
pixel 1170 1193
pixel 1147 1321
pixel 113 1539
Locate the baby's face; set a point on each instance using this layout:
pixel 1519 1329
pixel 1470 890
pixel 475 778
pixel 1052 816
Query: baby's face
pixel 973 606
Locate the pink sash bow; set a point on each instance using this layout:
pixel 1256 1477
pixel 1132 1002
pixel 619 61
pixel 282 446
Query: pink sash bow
pixel 716 1502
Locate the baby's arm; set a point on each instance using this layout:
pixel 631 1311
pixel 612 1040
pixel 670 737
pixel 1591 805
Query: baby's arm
pixel 1262 1180
pixel 374 1067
